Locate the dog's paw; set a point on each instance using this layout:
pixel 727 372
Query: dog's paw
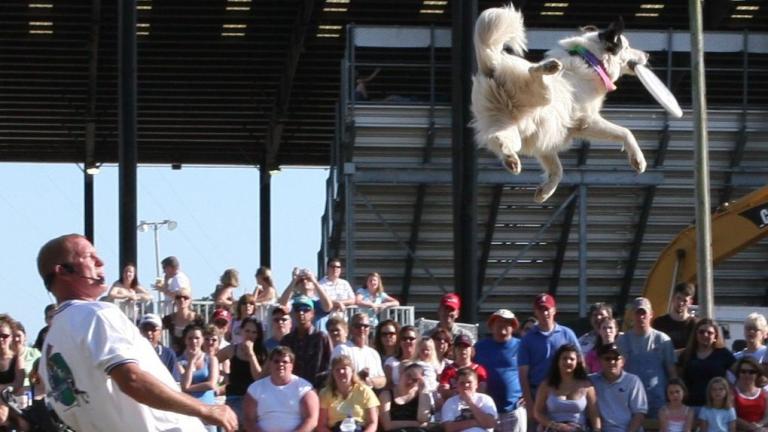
pixel 512 163
pixel 637 161
pixel 543 192
pixel 546 67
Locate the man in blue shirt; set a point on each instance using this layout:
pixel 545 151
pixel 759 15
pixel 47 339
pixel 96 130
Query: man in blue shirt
pixel 151 328
pixel 620 395
pixel 539 345
pixel 498 355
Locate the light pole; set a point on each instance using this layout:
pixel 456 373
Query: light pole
pixel 144 226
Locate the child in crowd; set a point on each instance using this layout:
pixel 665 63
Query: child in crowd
pixel 426 356
pixel 718 415
pixel 676 416
pixel 463 352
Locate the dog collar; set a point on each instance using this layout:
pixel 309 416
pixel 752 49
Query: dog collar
pixel 595 64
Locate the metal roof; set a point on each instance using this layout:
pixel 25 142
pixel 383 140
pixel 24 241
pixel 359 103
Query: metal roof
pixel 219 79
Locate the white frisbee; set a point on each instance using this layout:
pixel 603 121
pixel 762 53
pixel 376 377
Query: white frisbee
pixel 658 90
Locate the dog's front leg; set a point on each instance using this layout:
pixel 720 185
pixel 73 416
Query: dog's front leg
pixel 600 128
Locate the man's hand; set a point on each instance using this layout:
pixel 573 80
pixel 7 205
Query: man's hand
pixel 221 415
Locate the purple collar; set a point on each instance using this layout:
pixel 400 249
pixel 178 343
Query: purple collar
pixel 595 64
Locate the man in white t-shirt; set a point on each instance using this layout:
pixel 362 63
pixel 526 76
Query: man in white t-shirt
pixel 468 411
pixel 281 402
pixel 99 372
pixel 175 279
pixel 337 289
pixel 366 360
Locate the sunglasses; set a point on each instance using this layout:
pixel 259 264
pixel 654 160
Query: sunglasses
pixel 181 297
pixel 4 336
pixel 610 358
pixel 748 371
pixel 302 309
pixel 362 325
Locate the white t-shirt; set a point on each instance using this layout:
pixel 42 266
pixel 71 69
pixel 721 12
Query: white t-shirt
pixel 279 407
pixel 86 340
pixel 365 357
pixel 176 283
pixel 337 290
pixel 454 409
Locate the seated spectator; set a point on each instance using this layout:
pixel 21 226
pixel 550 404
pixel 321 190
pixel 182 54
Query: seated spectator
pixel 385 340
pixel 755 332
pixel 749 400
pixel 221 319
pixel 211 346
pixel 718 414
pixel 366 362
pixel 151 328
pixel 281 402
pixel 427 357
pixel 26 354
pixel 182 316
pixel 372 299
pixel 11 366
pixel 246 307
pixel 675 416
pixel 406 350
pixel 608 333
pixel 566 399
pixel 620 395
pixel 224 294
pixel 443 349
pixel 199 370
pixel 304 283
pixel 128 287
pixel 246 362
pixel 468 410
pixel 311 346
pixel 345 396
pixel 265 292
pixel 463 352
pixel 281 326
pixel 337 329
pixel 703 359
pixel 597 313
pixel 406 407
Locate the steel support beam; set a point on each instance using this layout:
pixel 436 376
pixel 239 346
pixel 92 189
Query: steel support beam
pixel 571 177
pixel 349 224
pixel 265 216
pixel 738 151
pixel 128 152
pixel 90 121
pixel 413 240
pixel 565 233
pixel 465 256
pixel 490 229
pixel 583 196
pixel 283 95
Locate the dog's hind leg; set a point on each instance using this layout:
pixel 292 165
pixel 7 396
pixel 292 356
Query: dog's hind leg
pixel 505 144
pixel 553 171
pixel 601 128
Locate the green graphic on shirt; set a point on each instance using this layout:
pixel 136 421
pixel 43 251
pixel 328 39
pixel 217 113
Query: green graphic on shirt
pixel 62 382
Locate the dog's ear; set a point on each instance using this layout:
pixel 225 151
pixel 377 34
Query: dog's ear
pixel 611 36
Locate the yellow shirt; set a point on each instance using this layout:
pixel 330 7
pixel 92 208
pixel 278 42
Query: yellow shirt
pixel 356 404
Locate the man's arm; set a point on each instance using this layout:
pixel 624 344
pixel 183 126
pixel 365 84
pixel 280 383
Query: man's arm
pixel 144 388
pixel 522 371
pixel 251 414
pixel 310 409
pixel 636 423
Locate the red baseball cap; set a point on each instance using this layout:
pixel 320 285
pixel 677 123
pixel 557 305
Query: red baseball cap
pixel 451 300
pixel 544 300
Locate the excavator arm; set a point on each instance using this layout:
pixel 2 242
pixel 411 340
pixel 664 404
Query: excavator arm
pixel 737 225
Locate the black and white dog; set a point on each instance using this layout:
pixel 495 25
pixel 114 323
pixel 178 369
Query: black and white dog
pixel 536 109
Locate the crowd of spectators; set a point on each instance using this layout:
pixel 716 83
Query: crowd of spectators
pixel 311 368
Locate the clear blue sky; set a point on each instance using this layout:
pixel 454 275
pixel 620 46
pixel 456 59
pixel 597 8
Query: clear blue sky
pixel 216 209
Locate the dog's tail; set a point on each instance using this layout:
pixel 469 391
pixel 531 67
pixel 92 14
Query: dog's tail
pixel 497 30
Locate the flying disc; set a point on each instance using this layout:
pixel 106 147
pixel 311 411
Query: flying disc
pixel 658 90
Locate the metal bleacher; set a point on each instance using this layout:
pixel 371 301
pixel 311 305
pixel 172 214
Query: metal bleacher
pixel 390 200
